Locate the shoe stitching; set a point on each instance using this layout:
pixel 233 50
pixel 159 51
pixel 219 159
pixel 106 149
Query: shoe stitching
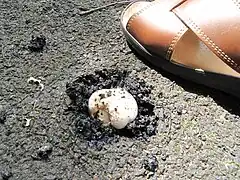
pixel 138 13
pixel 213 45
pixel 173 43
pixel 199 31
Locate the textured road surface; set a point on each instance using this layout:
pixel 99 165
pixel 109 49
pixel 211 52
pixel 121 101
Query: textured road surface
pixel 198 136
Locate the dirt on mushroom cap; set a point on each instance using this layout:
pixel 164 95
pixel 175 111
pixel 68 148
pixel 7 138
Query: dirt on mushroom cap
pixel 79 91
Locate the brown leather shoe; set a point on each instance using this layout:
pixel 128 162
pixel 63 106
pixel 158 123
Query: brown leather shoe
pixel 198 40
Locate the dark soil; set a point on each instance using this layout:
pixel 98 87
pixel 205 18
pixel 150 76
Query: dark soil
pixel 37 43
pixel 183 131
pixel 80 90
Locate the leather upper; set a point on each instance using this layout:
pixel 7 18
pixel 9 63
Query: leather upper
pixel 152 29
pixel 215 22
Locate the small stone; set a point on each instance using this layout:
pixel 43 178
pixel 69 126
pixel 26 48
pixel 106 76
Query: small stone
pixel 151 163
pixel 45 151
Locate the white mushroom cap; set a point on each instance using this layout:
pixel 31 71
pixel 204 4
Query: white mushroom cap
pixel 115 106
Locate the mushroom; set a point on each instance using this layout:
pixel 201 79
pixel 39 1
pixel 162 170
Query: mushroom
pixel 115 107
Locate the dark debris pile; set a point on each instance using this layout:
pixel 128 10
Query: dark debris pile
pixel 37 43
pixel 80 90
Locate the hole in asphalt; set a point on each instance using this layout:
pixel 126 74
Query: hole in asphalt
pixel 79 91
